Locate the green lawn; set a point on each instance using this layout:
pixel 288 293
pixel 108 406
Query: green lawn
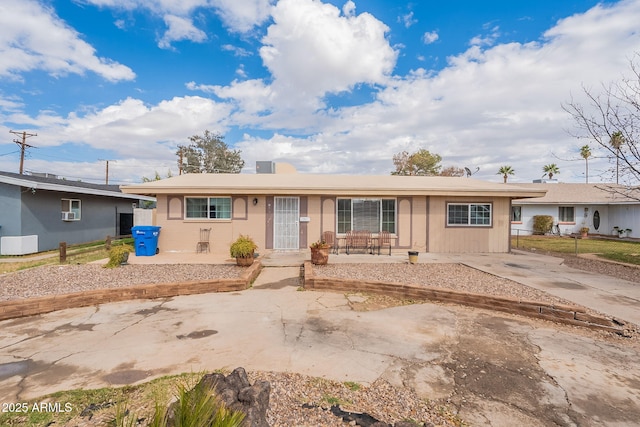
pixel 616 250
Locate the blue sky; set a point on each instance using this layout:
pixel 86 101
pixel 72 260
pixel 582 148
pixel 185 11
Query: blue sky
pixel 328 86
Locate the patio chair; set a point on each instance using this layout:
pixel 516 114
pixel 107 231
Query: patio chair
pixel 384 240
pixel 348 241
pixel 330 238
pixel 203 243
pixel 358 240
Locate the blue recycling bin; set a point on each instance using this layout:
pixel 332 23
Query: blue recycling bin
pixel 145 238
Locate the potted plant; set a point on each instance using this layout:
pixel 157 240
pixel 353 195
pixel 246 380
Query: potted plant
pixel 243 250
pixel 627 232
pixel 584 231
pixel 622 232
pixel 320 252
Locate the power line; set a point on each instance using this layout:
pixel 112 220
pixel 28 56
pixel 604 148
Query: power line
pixel 7 154
pixel 23 145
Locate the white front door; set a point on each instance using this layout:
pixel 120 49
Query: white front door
pixel 286 223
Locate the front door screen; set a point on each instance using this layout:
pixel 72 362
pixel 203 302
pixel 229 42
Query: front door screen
pixel 286 223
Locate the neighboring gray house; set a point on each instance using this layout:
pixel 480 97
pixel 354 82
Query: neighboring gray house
pixel 573 206
pixel 37 212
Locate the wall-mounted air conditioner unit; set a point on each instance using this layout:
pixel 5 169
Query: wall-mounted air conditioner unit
pixel 68 216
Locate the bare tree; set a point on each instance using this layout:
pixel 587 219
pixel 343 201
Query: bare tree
pixel 612 120
pixel 454 171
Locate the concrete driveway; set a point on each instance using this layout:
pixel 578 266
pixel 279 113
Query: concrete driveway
pixel 498 370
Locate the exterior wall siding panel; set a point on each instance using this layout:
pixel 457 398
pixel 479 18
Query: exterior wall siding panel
pixel 447 239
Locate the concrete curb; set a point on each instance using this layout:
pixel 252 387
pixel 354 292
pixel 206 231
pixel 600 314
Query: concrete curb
pixel 20 308
pixel 571 315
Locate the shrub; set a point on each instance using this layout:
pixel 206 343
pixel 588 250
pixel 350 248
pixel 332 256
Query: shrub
pixel 243 247
pixel 542 224
pixel 117 255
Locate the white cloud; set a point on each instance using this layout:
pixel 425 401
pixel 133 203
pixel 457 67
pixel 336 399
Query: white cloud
pixel 34 38
pixel 237 51
pixel 430 37
pixel 237 15
pixel 490 106
pixel 487 39
pixel 408 20
pixel 349 8
pixel 129 128
pixel 312 49
pixel 180 29
pixel 243 15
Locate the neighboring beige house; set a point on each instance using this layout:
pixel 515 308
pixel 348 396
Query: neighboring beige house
pixel 574 206
pixel 289 211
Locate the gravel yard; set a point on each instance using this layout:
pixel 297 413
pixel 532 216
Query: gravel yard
pixel 612 269
pixel 456 277
pixel 64 279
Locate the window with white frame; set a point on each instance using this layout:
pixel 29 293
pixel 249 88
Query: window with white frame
pixel 71 209
pixel 566 214
pixel 208 207
pixel 361 214
pixel 469 214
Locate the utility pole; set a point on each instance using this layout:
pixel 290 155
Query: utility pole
pixel 23 145
pixel 106 178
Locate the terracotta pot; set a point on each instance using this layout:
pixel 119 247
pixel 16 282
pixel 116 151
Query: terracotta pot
pixel 244 261
pixel 320 256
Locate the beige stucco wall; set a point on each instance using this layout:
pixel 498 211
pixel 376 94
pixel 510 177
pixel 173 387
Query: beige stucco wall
pixel 445 239
pixel 180 235
pixel 421 224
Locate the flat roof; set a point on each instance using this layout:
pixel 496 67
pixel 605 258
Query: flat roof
pixel 325 184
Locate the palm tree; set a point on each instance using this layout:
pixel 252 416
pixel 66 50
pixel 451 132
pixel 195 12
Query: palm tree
pixel 551 169
pixel 616 141
pixel 585 153
pixel 505 171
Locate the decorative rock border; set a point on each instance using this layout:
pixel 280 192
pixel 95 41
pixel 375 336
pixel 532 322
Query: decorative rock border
pixel 561 313
pixel 28 307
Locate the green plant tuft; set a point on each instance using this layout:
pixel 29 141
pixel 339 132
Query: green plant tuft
pixel 243 247
pixel 353 386
pixel 117 255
